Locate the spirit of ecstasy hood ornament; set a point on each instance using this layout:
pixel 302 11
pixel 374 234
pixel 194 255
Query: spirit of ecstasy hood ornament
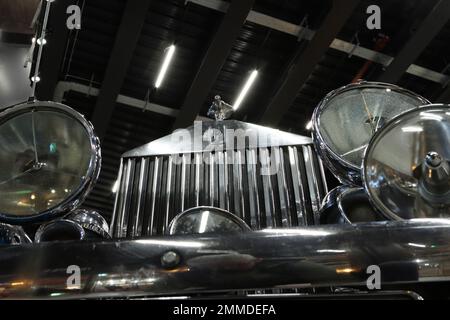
pixel 220 110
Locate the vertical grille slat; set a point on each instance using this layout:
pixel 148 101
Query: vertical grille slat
pixel 149 198
pixel 128 187
pixel 253 189
pixel 283 192
pixel 139 198
pixel 153 190
pixel 298 190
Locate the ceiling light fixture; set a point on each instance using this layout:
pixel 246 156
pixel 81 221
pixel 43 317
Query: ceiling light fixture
pixel 167 59
pixel 245 89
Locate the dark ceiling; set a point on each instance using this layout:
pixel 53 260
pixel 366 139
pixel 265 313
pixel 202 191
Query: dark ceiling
pixel 191 26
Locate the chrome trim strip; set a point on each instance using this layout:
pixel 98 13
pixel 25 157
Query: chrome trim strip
pixel 407 252
pixel 116 200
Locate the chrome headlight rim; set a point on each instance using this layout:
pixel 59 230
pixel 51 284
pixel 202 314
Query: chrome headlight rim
pixel 100 228
pixel 380 207
pixel 16 234
pixel 46 226
pixel 76 198
pixel 343 170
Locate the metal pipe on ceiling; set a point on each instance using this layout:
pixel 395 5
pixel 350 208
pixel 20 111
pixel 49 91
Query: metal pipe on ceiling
pixel 337 44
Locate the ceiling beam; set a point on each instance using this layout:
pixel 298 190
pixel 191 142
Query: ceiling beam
pixel 300 70
pixel 126 39
pixel 429 28
pixel 337 44
pixel 213 61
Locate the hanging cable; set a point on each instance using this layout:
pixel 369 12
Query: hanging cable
pixel 40 42
pixel 69 63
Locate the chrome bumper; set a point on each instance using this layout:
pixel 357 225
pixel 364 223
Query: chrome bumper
pixel 406 252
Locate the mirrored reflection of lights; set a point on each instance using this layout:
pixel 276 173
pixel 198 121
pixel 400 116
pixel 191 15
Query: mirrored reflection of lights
pixel 33 197
pixel 432 220
pixel 174 298
pixel 309 125
pixel 388 90
pixel 39 41
pixel 430 116
pixel 125 282
pixel 23 204
pixel 115 187
pixel 184 244
pixel 345 270
pixel 300 232
pixel 4 81
pixel 73 287
pixel 417 245
pixel 331 251
pixel 35 79
pixel 203 222
pixel 17 284
pixel 412 129
pixel 56 294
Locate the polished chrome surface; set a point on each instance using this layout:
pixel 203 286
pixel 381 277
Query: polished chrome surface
pixel 262 180
pixel 348 204
pixel 204 135
pixel 407 252
pixel 59 230
pixel 329 211
pixel 232 180
pixel 406 167
pixel 93 223
pixel 355 206
pixel 345 120
pixel 50 161
pixel 12 235
pixel 200 220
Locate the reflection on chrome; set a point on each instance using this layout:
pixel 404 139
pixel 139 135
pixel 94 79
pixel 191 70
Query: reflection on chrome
pixel 412 129
pixel 174 243
pixel 331 251
pixel 338 255
pixel 299 232
pixel 417 245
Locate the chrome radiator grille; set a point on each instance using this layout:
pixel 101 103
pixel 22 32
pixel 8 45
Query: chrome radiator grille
pixel 154 189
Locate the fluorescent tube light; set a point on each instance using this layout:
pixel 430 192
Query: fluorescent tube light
pixel 245 89
pixel 168 58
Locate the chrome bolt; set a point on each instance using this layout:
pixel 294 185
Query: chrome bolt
pixel 170 259
pixel 433 159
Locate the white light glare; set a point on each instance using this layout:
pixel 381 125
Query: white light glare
pixel 412 129
pixel 309 126
pixel 203 222
pixel 39 41
pixel 245 89
pixel 115 187
pixel 168 58
pixel 37 79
